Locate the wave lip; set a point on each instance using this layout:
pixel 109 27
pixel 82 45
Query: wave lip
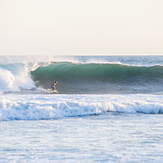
pixel 28 107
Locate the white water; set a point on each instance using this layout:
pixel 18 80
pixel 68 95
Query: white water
pixel 37 107
pixel 15 77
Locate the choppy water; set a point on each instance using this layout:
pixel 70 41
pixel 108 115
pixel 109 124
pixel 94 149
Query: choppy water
pixel 108 109
pixel 111 137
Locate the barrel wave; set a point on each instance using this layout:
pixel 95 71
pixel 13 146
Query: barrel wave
pixel 99 78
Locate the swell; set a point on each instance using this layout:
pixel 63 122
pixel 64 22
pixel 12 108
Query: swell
pixel 94 77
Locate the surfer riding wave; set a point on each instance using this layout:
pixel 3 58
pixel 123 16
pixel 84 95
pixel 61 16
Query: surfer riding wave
pixel 53 86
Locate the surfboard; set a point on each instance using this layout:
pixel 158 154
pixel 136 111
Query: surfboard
pixel 55 91
pixel 51 92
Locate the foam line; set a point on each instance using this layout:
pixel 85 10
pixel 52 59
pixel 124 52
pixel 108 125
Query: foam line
pixel 32 107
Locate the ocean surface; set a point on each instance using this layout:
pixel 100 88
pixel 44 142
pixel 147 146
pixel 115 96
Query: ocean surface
pixel 106 109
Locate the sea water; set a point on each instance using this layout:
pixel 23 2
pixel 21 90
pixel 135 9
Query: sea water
pixel 108 109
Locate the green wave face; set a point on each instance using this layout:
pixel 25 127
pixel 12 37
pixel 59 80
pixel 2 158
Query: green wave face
pixel 98 78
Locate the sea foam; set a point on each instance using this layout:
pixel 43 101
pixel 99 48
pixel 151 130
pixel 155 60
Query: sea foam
pixel 14 77
pixel 37 107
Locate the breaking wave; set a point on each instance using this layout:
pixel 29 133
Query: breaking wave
pixel 81 77
pixel 31 107
pixel 99 78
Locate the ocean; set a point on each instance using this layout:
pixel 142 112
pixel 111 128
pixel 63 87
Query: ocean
pixel 106 109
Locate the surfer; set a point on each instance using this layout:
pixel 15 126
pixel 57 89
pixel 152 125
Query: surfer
pixel 53 86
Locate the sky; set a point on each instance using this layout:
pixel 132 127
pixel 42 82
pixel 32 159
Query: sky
pixel 81 27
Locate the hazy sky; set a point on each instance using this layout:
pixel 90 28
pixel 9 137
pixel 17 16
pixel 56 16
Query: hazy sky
pixel 54 27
